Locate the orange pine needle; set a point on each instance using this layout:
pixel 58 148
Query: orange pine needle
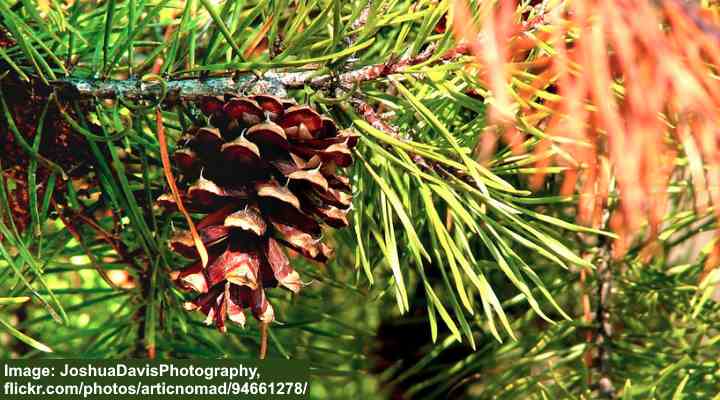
pixel 253 49
pixel 635 87
pixel 199 245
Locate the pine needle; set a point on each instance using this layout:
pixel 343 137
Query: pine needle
pixel 173 188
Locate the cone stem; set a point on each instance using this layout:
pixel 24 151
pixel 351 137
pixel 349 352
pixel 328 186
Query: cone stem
pixel 263 339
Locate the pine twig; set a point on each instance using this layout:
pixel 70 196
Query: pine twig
pixel 587 318
pixel 603 334
pixel 263 340
pixel 142 349
pixel 362 19
pixel 168 92
pixel 368 113
pixel 364 74
pixel 273 82
pixel 359 23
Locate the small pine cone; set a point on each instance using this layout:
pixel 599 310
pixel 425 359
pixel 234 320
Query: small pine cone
pixel 60 143
pixel 25 102
pixel 265 173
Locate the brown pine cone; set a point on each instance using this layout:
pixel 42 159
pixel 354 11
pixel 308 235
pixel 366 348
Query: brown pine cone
pixel 266 174
pixel 59 143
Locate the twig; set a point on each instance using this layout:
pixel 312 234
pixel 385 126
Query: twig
pixel 371 117
pixel 276 83
pixel 587 317
pixel 368 113
pixel 602 318
pixel 603 334
pixel 263 340
pixel 362 19
pixel 364 74
pixel 169 92
pixel 358 24
pixel 142 349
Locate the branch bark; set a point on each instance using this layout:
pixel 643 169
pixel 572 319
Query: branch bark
pixel 168 92
pixel 603 324
pixel 603 335
pixel 272 82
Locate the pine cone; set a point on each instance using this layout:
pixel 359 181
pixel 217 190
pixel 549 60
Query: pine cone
pixel 266 175
pixel 59 143
pixel 26 101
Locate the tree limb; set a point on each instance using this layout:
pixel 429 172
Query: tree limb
pixel 275 83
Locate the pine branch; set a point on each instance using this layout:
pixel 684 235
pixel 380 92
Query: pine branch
pixel 168 92
pixel 142 348
pixel 602 319
pixel 359 23
pixel 276 83
pixel 370 72
pixel 603 334
pixel 371 117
